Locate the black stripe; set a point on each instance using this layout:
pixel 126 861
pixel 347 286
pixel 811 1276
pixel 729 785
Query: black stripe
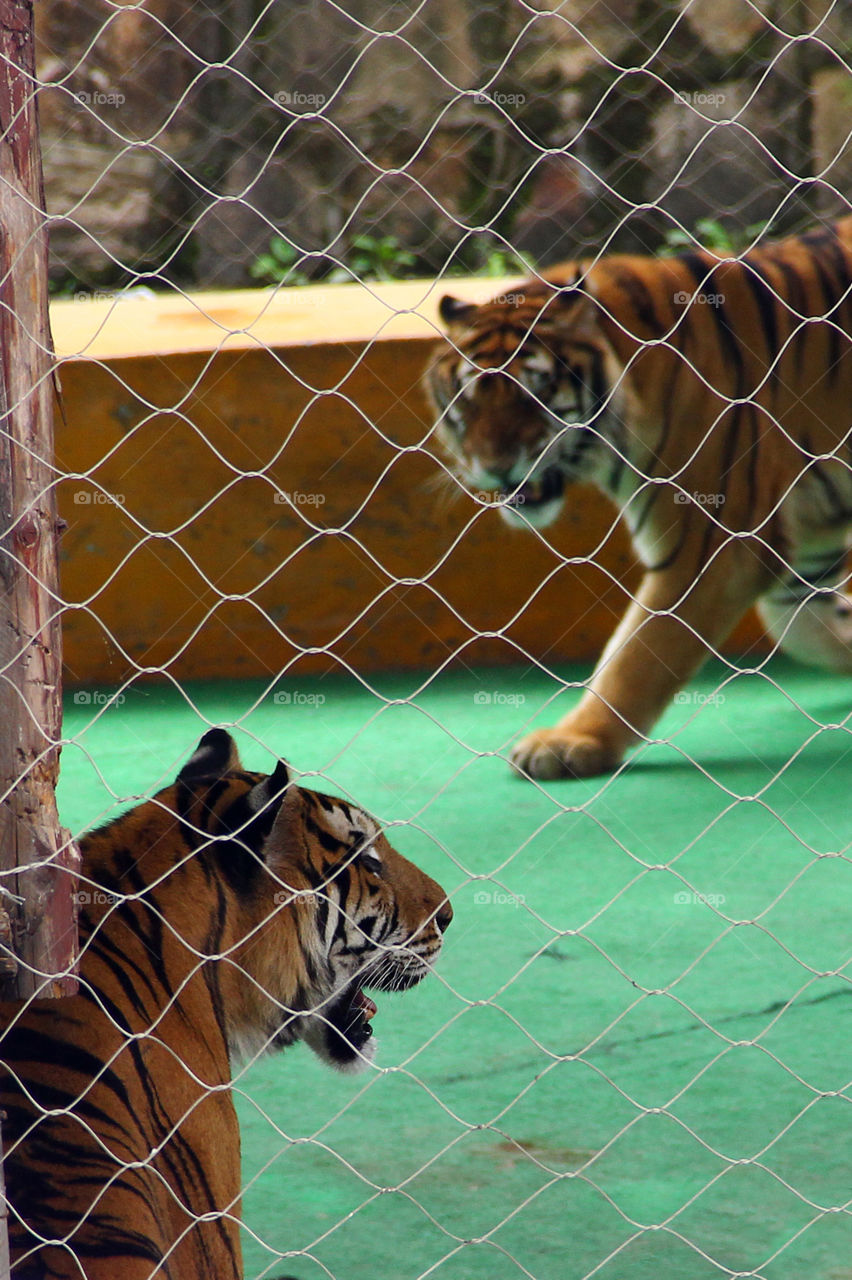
pixel 794 293
pixel 823 572
pixel 142 915
pixel 806 582
pixel 322 905
pixel 599 387
pixel 840 510
pixel 702 272
pixel 315 876
pixel 240 860
pixel 613 482
pixel 766 303
pixel 829 298
pixel 827 244
pixel 348 811
pixel 753 457
pixel 116 961
pixel 123 1243
pixel 342 882
pixel 330 843
pixel 177 1154
pixel 711 528
pixel 23 1044
pixel 642 302
pixel 212 946
pixel 390 925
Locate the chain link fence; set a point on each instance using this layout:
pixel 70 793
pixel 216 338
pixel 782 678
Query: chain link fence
pixel 630 1062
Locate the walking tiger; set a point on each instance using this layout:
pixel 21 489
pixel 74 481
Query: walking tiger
pixel 711 399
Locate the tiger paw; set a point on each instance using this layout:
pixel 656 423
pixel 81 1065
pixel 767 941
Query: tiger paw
pixel 548 754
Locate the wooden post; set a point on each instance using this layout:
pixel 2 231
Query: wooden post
pixel 38 862
pixel 37 859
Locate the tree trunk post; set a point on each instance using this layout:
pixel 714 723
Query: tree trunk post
pixel 38 861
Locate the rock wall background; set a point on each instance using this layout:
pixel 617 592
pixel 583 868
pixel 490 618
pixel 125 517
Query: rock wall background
pixel 179 138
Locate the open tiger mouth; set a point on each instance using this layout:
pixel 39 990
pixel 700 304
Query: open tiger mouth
pixel 549 487
pixel 349 1021
pixel 348 1018
pixel 342 1031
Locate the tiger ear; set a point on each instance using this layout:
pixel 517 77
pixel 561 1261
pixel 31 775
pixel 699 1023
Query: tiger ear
pixel 455 313
pixel 270 792
pixel 285 844
pixel 215 755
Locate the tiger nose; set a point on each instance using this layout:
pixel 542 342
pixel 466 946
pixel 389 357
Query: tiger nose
pixel 443 916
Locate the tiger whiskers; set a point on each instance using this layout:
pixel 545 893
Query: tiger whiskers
pixel 447 485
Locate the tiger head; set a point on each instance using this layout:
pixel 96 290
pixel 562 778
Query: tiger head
pixel 289 902
pixel 523 389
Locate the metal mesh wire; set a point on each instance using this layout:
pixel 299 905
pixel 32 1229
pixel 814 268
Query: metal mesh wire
pixel 191 147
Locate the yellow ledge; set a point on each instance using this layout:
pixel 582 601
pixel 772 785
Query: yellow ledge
pixel 139 322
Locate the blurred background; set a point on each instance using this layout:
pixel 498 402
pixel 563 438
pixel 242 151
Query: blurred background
pixel 181 140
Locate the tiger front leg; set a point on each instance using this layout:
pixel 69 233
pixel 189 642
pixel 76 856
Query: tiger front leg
pixel 659 645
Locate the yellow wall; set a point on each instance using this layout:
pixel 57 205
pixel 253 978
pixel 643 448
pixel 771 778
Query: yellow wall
pixel 191 566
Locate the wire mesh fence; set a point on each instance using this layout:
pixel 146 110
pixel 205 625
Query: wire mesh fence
pixel 630 1060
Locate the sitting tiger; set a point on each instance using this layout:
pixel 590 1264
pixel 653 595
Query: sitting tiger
pixel 711 399
pixel 230 914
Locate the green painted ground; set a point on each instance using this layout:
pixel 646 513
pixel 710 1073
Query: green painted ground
pixel 632 1061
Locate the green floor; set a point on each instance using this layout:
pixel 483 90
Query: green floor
pixel 609 1076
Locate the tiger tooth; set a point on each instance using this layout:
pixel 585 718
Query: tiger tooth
pixel 365 1006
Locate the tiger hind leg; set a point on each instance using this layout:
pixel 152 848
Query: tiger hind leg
pixel 808 617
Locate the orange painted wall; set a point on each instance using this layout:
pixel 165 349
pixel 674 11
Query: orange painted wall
pixel 182 557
